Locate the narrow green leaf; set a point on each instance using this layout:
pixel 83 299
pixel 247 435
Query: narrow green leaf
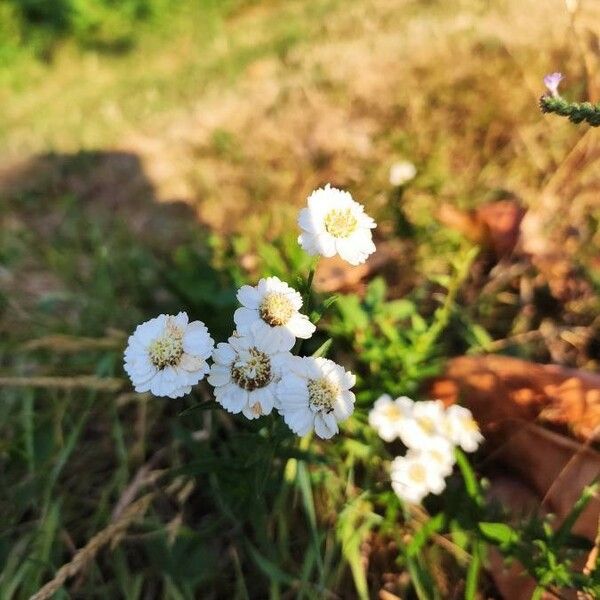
pixel 210 405
pixel 305 486
pixel 323 348
pixel 420 538
pixel 499 533
pixel 469 477
pixel 270 569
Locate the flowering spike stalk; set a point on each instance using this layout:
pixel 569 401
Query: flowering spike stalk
pixel 577 112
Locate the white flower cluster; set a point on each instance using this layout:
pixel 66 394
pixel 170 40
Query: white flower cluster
pixel 254 371
pixel 430 432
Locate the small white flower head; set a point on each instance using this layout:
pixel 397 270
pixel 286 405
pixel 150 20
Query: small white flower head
pixel 273 306
pixel 245 373
pixel 428 420
pixel 167 355
pixel 462 428
pixel 315 394
pixel 416 475
pixel 552 81
pixel 333 223
pixel 402 172
pixel 439 451
pixel 387 416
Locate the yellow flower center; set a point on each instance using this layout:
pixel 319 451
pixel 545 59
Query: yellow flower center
pixel 167 350
pixel 470 424
pixel 252 371
pixel 393 413
pixel 427 424
pixel 437 456
pixel 340 223
pixel 276 309
pixel 322 394
pixel 417 473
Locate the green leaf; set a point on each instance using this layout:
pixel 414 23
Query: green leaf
pixel 420 538
pixel 421 580
pixel 469 477
pixel 270 569
pixel 303 481
pixel 323 348
pixel 499 533
pixel 210 405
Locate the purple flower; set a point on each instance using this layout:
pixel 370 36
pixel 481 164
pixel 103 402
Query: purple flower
pixel 552 82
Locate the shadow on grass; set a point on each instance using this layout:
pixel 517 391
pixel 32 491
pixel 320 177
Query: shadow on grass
pixel 88 246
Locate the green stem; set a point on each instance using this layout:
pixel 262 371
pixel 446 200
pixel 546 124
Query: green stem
pixel 306 301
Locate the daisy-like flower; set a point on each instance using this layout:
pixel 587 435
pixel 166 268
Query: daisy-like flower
pixel 552 81
pixel 440 451
pixel 428 422
pixel 462 429
pixel 272 306
pixel 387 416
pixel 416 475
pixel 315 394
pixel 333 223
pixel 167 355
pixel 245 373
pixel 402 172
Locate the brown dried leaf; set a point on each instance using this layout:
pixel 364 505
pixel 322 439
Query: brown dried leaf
pixel 336 275
pixel 502 391
pixel 495 225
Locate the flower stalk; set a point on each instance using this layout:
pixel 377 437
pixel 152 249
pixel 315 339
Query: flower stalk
pixel 576 112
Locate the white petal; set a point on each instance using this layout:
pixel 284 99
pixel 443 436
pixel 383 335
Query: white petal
pixel 300 326
pixel 231 397
pixel 224 354
pixel 325 426
pixel 264 397
pixel 248 296
pixel 326 245
pixel 344 406
pixel 299 421
pixel 181 320
pixel 197 341
pixel 191 363
pixel 308 242
pixel 244 318
pixel 219 375
pixel 147 332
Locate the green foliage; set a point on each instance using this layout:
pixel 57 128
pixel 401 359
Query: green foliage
pixel 106 26
pixel 397 345
pixel 548 554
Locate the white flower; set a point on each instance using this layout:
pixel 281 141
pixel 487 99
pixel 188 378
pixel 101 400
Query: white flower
pixel 428 421
pixel 402 172
pixel 273 305
pixel 416 475
pixel 245 373
pixel 462 428
pixel 167 355
pixel 315 394
pixel 333 223
pixel 387 416
pixel 439 451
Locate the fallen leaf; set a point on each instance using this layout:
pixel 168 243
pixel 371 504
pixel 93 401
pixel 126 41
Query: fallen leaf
pixel 495 224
